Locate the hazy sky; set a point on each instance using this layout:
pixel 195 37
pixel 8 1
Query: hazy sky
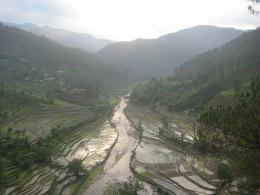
pixel 129 19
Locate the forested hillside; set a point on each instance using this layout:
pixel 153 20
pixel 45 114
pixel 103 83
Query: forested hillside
pixel 147 58
pixel 208 79
pixel 28 59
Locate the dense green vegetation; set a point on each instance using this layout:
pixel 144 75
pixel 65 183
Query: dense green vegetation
pixel 208 79
pixel 130 187
pixel 16 148
pixel 75 167
pixel 233 133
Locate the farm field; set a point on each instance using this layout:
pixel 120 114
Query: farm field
pixel 164 162
pixel 89 139
pixel 38 122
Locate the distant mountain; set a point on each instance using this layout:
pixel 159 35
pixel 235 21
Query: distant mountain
pixel 157 57
pixel 208 79
pixel 26 58
pixel 65 37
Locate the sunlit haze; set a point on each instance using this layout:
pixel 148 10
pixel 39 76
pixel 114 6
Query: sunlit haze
pixel 128 19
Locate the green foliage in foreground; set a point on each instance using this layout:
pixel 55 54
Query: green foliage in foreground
pixel 76 167
pixel 224 173
pixel 130 187
pixel 233 134
pixel 15 148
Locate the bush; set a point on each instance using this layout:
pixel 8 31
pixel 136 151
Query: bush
pixel 42 154
pixel 224 173
pixel 75 167
pixel 130 187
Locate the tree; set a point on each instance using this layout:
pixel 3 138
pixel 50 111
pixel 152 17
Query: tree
pixel 10 130
pixel 253 8
pixel 140 131
pixel 130 187
pixel 233 133
pixel 224 173
pixel 42 154
pixel 75 167
pixel 24 160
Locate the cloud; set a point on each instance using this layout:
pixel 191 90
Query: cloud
pixel 128 19
pixel 35 11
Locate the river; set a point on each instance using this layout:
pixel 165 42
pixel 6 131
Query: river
pixel 116 168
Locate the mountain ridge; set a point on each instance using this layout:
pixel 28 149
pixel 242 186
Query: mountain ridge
pixel 208 79
pixel 65 37
pixel 23 53
pixel 157 57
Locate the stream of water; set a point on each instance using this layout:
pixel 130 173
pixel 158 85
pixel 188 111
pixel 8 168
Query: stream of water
pixel 116 168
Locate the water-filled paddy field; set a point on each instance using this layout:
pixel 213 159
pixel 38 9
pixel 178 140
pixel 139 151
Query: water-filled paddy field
pixel 90 141
pixel 166 164
pixel 157 157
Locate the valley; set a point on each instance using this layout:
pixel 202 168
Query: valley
pixel 189 124
pixel 135 143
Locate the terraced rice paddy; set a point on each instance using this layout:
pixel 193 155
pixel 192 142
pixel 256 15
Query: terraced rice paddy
pixel 166 164
pixel 90 142
pixel 38 122
pixel 92 148
pixel 36 181
pixel 156 159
